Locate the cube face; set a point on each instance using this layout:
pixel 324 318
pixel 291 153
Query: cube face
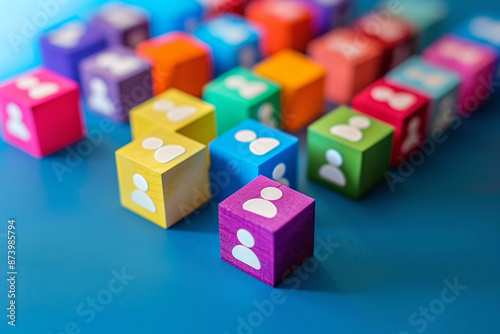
pixel 240 94
pixel 175 111
pixel 114 81
pixel 248 150
pixel 396 36
pixel 302 91
pixel 262 234
pixel 405 110
pixel 350 65
pixel 40 112
pixel 482 28
pixel 439 85
pixel 330 14
pixel 65 47
pixel 183 15
pixel 179 61
pixel 474 64
pixel 288 24
pixel 163 177
pixel 348 152
pixel 122 24
pixel 233 40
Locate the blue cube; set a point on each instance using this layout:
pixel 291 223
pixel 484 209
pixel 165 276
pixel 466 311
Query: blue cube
pixel 248 150
pixel 440 86
pixel 484 29
pixel 330 14
pixel 234 42
pixel 185 15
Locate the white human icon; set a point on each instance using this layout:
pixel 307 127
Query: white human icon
pixel 117 64
pixel 263 206
pixel 139 196
pixel 279 174
pixel 431 80
pixel 331 172
pixel 229 32
pixel 467 55
pixel 258 146
pixel 486 28
pixel 14 124
pixel 446 110
pixel 352 131
pixel 98 97
pixel 245 88
pixel 413 138
pixel 173 112
pixel 163 153
pixel 398 101
pixel 392 32
pixel 36 90
pixel 121 17
pixel 265 114
pixel 243 252
pixel 68 35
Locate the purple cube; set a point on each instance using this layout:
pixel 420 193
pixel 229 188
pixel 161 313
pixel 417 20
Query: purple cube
pixel 266 229
pixel 64 47
pixel 123 24
pixel 114 81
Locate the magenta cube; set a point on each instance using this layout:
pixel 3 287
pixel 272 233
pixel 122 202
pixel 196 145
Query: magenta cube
pixel 474 63
pixel 266 229
pixel 114 81
pixel 123 24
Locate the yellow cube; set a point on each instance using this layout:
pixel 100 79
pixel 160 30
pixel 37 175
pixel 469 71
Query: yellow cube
pixel 175 111
pixel 163 176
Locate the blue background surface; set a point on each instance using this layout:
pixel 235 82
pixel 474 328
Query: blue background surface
pixel 393 250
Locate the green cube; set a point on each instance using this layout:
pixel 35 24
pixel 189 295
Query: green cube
pixel 348 151
pixel 240 94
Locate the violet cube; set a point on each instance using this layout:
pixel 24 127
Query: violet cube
pixel 266 229
pixel 114 81
pixel 123 24
pixel 64 47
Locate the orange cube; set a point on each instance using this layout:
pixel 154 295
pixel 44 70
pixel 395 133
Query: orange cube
pixel 352 61
pixel 179 61
pixel 303 87
pixel 286 24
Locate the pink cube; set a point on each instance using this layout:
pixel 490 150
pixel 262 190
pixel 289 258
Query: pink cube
pixel 40 112
pixel 266 229
pixel 474 63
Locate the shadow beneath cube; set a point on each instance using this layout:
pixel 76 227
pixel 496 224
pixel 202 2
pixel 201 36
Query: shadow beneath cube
pixel 204 219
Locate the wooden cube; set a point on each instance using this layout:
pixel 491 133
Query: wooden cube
pixel 175 111
pixel 114 81
pixel 233 42
pixel 66 46
pixel 404 109
pixel 267 230
pixel 329 15
pixel 348 151
pixel 397 37
pixel 303 89
pixel 163 177
pixel 437 84
pixel 475 64
pixel 248 150
pixel 352 62
pixel 40 112
pixel 482 28
pixel 287 24
pixel 179 61
pixel 240 94
pixel 122 24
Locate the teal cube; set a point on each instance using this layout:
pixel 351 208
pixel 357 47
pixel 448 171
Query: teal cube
pixel 348 151
pixel 241 94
